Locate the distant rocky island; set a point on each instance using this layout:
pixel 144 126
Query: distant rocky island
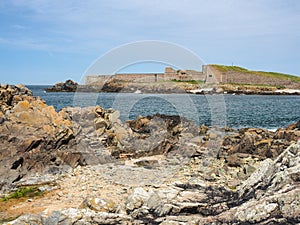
pixel 213 79
pixel 86 166
pixel 67 86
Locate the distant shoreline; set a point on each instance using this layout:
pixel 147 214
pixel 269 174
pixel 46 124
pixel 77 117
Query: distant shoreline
pixel 213 79
pixel 161 89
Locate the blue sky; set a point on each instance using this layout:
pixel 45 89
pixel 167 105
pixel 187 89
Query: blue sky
pixel 43 42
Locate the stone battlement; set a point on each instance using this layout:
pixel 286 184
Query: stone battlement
pixel 169 74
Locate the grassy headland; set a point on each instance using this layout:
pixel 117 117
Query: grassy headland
pixel 238 69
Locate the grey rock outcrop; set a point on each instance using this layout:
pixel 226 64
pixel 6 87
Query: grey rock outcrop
pixel 36 138
pixel 259 142
pixel 160 169
pixel 269 196
pixel 32 136
pixel 67 86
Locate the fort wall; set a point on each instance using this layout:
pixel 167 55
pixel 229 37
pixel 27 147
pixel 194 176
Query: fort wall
pixel 216 76
pixel 209 75
pixel 169 74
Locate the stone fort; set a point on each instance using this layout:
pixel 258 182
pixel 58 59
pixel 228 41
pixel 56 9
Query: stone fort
pixel 209 75
pixel 169 74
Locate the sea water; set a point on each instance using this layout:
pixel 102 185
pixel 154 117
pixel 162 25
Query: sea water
pixel 236 111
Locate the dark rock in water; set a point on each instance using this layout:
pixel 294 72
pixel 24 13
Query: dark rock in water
pixel 68 86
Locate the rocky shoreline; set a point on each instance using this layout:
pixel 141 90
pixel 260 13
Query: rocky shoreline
pixel 91 168
pixel 169 87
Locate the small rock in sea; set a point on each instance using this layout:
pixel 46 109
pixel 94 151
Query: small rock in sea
pixel 68 86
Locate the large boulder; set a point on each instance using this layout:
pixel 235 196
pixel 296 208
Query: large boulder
pixel 273 190
pixel 35 138
pixel 10 95
pixel 67 86
pixel 32 133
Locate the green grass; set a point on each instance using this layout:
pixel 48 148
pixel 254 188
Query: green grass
pixel 282 76
pixel 23 192
pixel 225 69
pixel 188 81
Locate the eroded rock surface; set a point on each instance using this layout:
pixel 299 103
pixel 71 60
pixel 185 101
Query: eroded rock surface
pixel 269 196
pixel 95 169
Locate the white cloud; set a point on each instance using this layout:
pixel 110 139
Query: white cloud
pixel 89 24
pixel 256 34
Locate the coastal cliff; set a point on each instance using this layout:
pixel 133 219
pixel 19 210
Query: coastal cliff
pixel 86 166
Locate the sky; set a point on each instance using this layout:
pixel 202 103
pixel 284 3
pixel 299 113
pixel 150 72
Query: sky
pixel 47 41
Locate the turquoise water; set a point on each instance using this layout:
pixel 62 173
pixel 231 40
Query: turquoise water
pixel 264 111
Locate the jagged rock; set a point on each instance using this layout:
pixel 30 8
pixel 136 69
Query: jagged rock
pixel 154 135
pixel 74 216
pixel 273 190
pixel 56 218
pixel 137 199
pixel 100 205
pixel 259 142
pixel 287 134
pixel 100 123
pixel 42 137
pixel 27 219
pixel 68 86
pixel 294 126
pixel 270 173
pixel 32 135
pixel 10 95
pixel 114 117
pixel 203 129
pixel 269 196
pixel 185 180
pixel 142 203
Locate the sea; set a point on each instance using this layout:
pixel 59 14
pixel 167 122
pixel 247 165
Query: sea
pixel 235 111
